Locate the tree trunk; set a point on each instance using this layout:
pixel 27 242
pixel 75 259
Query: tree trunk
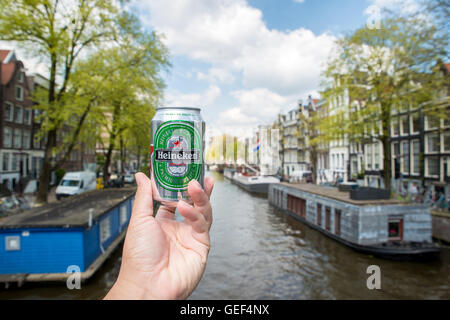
pixel 386 162
pixel 108 158
pixel 44 179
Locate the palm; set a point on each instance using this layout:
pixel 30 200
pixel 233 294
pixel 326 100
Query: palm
pixel 169 256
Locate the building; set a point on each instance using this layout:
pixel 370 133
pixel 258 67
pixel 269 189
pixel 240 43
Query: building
pixel 21 155
pixel 294 142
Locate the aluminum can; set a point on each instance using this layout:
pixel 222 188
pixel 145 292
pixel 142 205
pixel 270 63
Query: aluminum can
pixel 177 153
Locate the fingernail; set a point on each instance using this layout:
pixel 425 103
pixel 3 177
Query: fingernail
pixel 196 183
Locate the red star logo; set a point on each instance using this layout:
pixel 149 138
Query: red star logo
pixel 176 143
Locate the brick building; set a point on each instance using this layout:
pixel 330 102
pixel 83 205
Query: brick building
pixel 21 155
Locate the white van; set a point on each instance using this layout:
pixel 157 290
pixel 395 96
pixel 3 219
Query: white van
pixel 75 183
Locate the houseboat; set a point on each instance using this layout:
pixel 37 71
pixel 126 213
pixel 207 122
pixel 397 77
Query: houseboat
pixel 228 173
pixel 258 184
pixel 384 228
pixel 42 244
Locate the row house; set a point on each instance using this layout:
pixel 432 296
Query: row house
pixel 293 142
pixel 21 152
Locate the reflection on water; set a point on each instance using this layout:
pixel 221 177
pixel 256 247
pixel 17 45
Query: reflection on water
pixel 258 252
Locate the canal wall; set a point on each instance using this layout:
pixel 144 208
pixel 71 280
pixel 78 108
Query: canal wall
pixel 363 224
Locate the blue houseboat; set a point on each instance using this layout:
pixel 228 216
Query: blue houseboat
pixel 81 231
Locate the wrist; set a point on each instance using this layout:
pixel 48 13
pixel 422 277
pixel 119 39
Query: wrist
pixel 123 289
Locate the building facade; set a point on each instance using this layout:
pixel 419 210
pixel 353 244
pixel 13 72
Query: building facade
pixel 21 155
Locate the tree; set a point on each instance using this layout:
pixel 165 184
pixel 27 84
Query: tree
pixel 57 31
pixel 131 88
pixel 378 71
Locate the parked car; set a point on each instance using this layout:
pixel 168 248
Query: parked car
pixel 301 176
pixel 75 183
pixel 128 178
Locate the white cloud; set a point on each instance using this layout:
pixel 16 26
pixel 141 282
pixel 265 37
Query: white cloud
pixel 217 75
pixel 206 98
pixel 299 1
pixel 275 67
pixel 229 34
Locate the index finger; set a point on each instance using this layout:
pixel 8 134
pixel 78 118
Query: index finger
pixel 201 198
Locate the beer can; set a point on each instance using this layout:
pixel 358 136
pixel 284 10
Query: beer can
pixel 177 152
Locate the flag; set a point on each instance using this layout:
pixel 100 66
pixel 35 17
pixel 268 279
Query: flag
pixel 257 146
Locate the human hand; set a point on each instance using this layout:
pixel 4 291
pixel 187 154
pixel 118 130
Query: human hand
pixel 163 258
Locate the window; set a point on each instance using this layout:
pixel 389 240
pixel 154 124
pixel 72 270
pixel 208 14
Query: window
pixel 124 214
pixel 18 114
pixel 15 162
pixel 17 138
pixel 36 141
pixel 36 115
pixel 446 141
pixel 395 127
pixel 319 214
pixel 74 155
pixel 415 123
pixel 20 77
pixel 433 143
pixel 327 218
pixel 432 166
pixel 12 243
pixel 337 222
pixel 26 139
pixel 405 156
pixel 376 148
pixel 5 165
pixel 105 229
pixel 19 93
pixel 369 156
pixel 404 125
pixel 9 110
pixel 7 137
pixel 415 157
pixel 27 116
pixel 395 229
pixel 432 122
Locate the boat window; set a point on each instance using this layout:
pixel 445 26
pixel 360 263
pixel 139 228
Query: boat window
pixel 105 229
pixel 70 183
pixel 327 218
pixel 337 222
pixel 319 214
pixel 395 229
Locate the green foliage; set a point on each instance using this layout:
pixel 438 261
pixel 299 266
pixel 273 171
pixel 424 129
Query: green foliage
pixel 59 174
pixel 377 72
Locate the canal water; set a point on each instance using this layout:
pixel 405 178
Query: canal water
pixel 258 252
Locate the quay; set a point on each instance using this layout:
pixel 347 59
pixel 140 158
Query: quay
pixel 389 228
pixel 40 245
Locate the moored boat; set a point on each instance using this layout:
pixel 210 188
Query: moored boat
pixel 254 184
pixel 384 228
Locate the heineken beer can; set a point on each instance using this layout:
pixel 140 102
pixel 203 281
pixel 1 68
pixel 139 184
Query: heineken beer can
pixel 177 152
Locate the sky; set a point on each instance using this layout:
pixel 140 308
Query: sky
pixel 245 61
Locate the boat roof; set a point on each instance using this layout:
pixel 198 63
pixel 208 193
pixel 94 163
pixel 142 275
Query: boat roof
pixel 70 212
pixel 334 193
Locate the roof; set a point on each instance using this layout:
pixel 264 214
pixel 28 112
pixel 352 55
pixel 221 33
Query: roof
pixel 4 54
pixel 7 72
pixel 72 212
pixel 334 193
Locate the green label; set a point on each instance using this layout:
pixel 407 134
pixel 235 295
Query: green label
pixel 177 155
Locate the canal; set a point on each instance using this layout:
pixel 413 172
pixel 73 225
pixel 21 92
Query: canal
pixel 257 252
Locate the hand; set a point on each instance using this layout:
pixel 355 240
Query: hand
pixel 163 258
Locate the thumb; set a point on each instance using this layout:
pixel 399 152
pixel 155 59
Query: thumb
pixel 143 201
